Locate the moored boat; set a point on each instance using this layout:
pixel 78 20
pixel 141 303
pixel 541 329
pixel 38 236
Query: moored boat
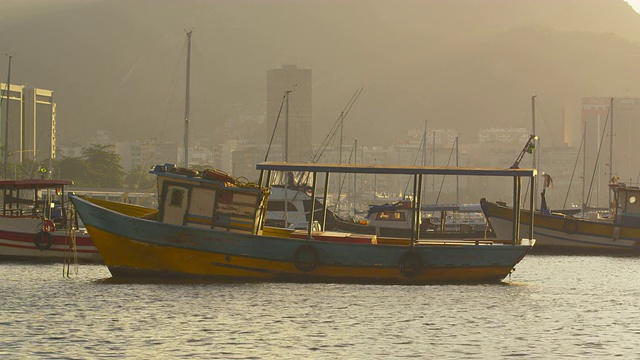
pixel 394 220
pixel 566 234
pixel 290 207
pixel 36 223
pixel 210 229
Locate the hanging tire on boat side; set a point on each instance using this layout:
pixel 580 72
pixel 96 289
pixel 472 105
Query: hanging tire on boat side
pixel 410 263
pixel 570 226
pixel 305 258
pixel 43 240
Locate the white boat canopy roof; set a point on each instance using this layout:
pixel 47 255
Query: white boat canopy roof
pixel 392 169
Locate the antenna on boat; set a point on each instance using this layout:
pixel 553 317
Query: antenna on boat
pixel 6 128
pixel 611 149
pixel 529 148
pixel 286 125
pixel 186 102
pixel 535 152
pixel 275 127
pixel 286 158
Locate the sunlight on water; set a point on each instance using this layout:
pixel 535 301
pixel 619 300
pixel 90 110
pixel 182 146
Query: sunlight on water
pixel 553 306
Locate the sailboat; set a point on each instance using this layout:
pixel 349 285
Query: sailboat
pixel 561 233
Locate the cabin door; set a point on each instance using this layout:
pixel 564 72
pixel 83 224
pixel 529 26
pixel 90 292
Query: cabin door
pixel 175 205
pixel 201 209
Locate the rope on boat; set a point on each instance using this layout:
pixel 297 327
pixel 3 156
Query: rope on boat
pixel 70 250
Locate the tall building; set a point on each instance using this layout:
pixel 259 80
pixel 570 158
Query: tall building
pixel 294 117
pixel 30 129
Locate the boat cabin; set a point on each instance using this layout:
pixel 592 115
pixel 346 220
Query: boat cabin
pixel 390 216
pixel 626 204
pixel 208 201
pixel 34 198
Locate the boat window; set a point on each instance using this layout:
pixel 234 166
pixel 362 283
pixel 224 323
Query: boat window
pixel 177 196
pixel 633 205
pixel 390 216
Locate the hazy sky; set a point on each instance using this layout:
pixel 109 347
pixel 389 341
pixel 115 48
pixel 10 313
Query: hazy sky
pixel 464 64
pixel 635 4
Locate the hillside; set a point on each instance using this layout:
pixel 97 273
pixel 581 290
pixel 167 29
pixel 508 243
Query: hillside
pixel 119 65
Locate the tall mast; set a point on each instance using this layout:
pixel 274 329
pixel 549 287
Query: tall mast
pixel 341 137
pixel 457 177
pixel 598 146
pixel 584 165
pixel 536 149
pixel 611 149
pixel 186 102
pixel 424 159
pixel 286 159
pixel 433 162
pixel 6 120
pixel 286 127
pixel 355 161
pixel 340 158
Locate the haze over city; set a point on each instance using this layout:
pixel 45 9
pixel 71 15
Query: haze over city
pixel 464 65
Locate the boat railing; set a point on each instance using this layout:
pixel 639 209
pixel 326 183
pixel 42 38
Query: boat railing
pixel 418 173
pixel 342 237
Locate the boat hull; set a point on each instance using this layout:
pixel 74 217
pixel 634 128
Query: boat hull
pixel 565 234
pixel 134 247
pixel 22 246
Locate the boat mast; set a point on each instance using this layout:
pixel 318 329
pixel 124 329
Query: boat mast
pixel 536 149
pixel 424 157
pixel 611 149
pixel 584 166
pixel 6 120
pixel 186 102
pixel 457 177
pixel 433 162
pixel 286 126
pixel 599 147
pixel 340 175
pixel 286 157
pixel 355 162
pixel 341 137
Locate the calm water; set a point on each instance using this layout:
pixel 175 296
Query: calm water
pixel 553 307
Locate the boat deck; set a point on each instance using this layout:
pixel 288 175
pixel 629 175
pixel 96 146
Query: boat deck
pixel 333 236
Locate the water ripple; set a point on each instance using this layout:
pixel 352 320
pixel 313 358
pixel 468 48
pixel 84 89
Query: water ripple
pixel 553 307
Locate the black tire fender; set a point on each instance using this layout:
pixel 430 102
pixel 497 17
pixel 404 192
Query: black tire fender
pixel 43 240
pixel 306 258
pixel 570 226
pixel 410 263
